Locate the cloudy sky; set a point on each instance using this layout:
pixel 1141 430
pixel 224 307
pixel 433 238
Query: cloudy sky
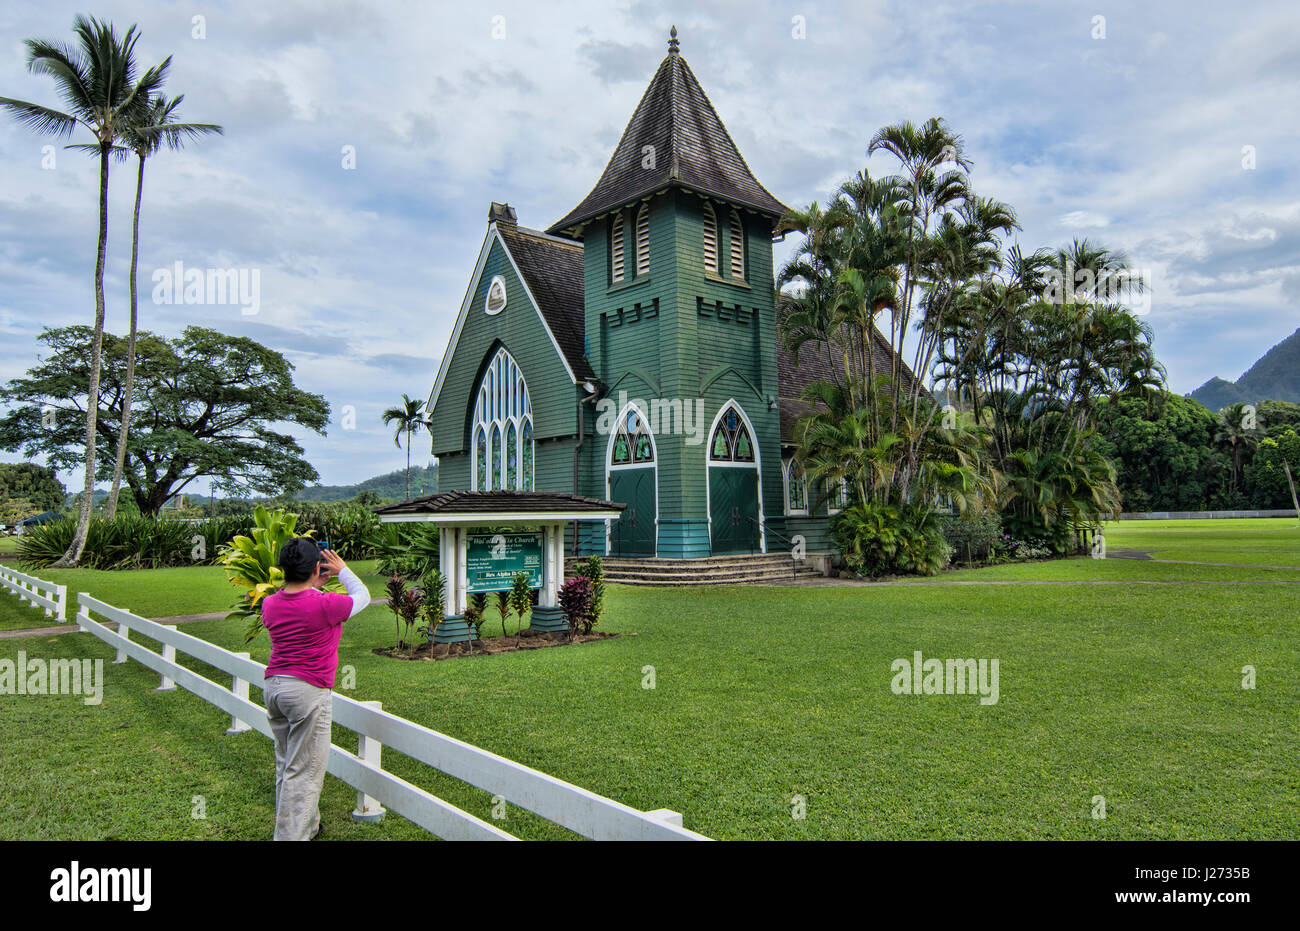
pixel 1122 122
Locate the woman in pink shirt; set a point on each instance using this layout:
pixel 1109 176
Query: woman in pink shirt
pixel 305 624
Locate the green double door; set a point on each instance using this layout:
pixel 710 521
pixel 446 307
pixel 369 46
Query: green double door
pixel 733 509
pixel 633 534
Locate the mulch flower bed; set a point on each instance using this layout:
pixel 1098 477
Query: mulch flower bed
pixel 526 640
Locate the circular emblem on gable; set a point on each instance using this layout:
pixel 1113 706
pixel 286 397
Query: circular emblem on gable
pixel 496 296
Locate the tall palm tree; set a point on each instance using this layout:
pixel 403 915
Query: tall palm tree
pixel 96 78
pixel 1231 432
pixel 409 418
pixel 157 125
pixel 927 187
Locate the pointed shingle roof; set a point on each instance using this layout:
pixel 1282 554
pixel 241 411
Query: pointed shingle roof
pixel 552 269
pixel 692 150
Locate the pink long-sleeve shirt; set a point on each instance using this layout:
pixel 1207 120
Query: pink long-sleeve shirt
pixel 305 628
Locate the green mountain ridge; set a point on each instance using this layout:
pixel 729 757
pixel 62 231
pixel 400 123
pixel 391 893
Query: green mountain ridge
pixel 391 485
pixel 1274 377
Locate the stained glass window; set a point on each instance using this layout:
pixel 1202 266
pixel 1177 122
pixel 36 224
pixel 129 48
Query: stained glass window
pixel 526 475
pixel 503 431
pixel 797 488
pixel 731 440
pixel 480 446
pixel 496 457
pixel 632 443
pixel 512 458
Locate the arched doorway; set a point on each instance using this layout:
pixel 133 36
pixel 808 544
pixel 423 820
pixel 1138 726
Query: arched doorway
pixel 735 506
pixel 630 478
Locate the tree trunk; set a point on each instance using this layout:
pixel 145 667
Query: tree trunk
pixel 1291 482
pixel 130 352
pixel 69 559
pixel 408 463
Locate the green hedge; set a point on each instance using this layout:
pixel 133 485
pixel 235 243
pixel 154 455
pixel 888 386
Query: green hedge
pixel 133 542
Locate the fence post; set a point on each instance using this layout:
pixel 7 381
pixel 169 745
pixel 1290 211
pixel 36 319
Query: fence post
pixel 168 654
pixel 667 816
pixel 240 688
pixel 126 635
pixel 368 810
pixel 62 596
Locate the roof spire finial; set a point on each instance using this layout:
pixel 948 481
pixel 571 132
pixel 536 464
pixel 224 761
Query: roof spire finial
pixel 672 41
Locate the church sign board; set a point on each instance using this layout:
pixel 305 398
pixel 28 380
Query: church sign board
pixel 494 559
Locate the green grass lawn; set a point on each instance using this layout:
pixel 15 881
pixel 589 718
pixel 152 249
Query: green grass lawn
pixel 1273 541
pixel 8 544
pixel 1132 692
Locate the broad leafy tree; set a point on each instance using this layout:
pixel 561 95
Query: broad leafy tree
pixel 207 405
pixel 36 485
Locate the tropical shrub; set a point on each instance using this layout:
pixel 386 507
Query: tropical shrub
pixel 882 539
pixel 349 527
pixel 408 609
pixel 972 537
pixel 134 542
pixel 410 550
pixel 594 569
pixel 250 563
pixel 521 597
pixel 575 599
pixel 475 609
pixel 503 608
pixel 433 589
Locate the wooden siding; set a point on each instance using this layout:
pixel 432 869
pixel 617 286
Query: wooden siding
pixel 519 328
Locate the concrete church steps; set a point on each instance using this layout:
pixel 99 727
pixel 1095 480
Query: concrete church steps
pixel 710 570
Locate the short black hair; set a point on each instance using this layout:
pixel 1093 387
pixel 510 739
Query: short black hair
pixel 298 559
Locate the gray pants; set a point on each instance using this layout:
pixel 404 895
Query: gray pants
pixel 300 715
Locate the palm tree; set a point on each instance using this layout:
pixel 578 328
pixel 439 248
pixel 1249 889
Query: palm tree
pixel 96 79
pixel 157 125
pixel 408 418
pixel 1231 431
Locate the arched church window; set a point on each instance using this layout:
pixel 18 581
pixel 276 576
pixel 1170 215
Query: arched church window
pixel 632 444
pixel 480 452
pixel 502 429
pixel 731 440
pixel 643 240
pixel 710 240
pixel 737 247
pixel 796 488
pixel 616 247
pixel 838 497
pixel 526 473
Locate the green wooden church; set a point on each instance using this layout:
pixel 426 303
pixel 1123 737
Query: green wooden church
pixel 630 351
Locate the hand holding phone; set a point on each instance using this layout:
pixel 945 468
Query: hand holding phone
pixel 331 563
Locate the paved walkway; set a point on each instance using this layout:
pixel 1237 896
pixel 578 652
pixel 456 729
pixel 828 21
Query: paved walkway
pixel 1147 557
pixel 71 626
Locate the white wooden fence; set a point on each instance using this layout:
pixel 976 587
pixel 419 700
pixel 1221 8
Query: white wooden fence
pixel 39 593
pixel 585 813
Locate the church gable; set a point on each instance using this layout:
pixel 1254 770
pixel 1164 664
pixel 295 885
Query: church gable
pixel 520 299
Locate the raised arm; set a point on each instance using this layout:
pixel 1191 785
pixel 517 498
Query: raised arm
pixel 356 588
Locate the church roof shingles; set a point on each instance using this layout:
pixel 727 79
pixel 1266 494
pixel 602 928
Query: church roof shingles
pixel 691 150
pixel 552 269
